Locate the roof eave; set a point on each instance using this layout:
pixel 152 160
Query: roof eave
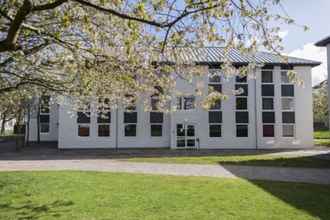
pixel 324 42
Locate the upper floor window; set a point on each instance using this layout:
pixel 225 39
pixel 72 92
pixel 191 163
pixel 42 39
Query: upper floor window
pixel 44 116
pixel 185 102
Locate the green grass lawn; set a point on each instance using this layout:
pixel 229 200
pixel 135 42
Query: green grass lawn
pixel 322 138
pixel 253 159
pixel 95 196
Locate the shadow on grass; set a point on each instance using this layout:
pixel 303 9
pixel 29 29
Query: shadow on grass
pixel 317 161
pixel 37 211
pixel 314 199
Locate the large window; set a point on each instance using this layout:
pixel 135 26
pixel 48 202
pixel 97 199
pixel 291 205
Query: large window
pixel 267 93
pixel 215 113
pixel 104 119
pixel 242 113
pixel 44 116
pixel 130 121
pixel 156 118
pixel 83 121
pixel 185 102
pixel 287 105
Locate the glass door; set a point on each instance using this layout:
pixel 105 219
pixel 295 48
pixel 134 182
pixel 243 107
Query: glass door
pixel 185 136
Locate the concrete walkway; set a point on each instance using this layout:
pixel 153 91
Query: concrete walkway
pixel 304 175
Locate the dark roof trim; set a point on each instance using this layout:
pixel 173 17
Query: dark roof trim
pixel 324 42
pixel 238 64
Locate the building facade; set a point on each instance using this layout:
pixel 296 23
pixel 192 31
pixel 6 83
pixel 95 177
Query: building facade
pixel 270 112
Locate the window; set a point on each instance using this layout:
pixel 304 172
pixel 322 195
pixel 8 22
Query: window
pixel 287 105
pixel 215 117
pixel 215 113
pixel 215 130
pixel 130 121
pixel 44 114
pixel 287 90
pixel 104 120
pixel 241 130
pixel 156 130
pixel 268 117
pixel 267 103
pixel 267 90
pixel 242 117
pixel 241 103
pixel 156 119
pixel 83 121
pixel 268 131
pixel 241 113
pixel 267 76
pixel 288 130
pixel 267 93
pixel 242 89
pixel 185 103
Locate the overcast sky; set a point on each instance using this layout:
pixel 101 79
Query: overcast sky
pixel 316 15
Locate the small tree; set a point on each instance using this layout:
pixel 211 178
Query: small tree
pixel 320 104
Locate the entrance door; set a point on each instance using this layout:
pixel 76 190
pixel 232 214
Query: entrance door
pixel 185 136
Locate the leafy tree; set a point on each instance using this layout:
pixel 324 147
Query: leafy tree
pixel 320 104
pixel 113 48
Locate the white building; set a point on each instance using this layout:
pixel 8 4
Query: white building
pixel 326 43
pixel 270 113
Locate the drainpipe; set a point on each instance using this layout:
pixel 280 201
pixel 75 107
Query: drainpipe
pixel 116 138
pixel 255 112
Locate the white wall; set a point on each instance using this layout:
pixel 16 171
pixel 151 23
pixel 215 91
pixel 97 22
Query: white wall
pixel 68 128
pixel 328 62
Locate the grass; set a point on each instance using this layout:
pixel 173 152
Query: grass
pixel 71 195
pixel 254 160
pixel 322 138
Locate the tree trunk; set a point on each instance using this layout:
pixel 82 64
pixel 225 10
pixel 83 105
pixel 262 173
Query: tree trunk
pixel 3 123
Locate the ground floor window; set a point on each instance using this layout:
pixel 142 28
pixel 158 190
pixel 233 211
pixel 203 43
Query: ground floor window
pixel 83 120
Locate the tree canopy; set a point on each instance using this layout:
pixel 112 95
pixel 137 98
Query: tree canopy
pixel 111 48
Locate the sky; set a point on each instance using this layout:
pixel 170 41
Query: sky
pixel 316 15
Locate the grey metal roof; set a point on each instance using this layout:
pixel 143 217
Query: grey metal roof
pixel 215 55
pixel 324 42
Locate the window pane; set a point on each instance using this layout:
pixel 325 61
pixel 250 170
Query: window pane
pixel 83 117
pixel 214 78
pixel 130 130
pixel 191 143
pixel 44 118
pixel 156 117
pixel 241 103
pixel 287 90
pixel 130 117
pixel 267 90
pixel 215 117
pixel 44 104
pixel 215 130
pixel 241 79
pixel 242 130
pixel 216 105
pixel 189 103
pixel 181 143
pixel 156 130
pixel 288 117
pixel 287 104
pixel 104 117
pixel 190 131
pixel 267 76
pixel 284 77
pixel 268 131
pixel 244 89
pixel 268 117
pixel 83 130
pixel 242 117
pixel 104 130
pixel 180 130
pixel 288 130
pixel 268 103
pixel 179 103
pixel 215 88
pixel 154 103
pixel 44 127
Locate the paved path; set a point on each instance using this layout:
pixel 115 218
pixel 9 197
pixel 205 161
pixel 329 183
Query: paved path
pixel 305 175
